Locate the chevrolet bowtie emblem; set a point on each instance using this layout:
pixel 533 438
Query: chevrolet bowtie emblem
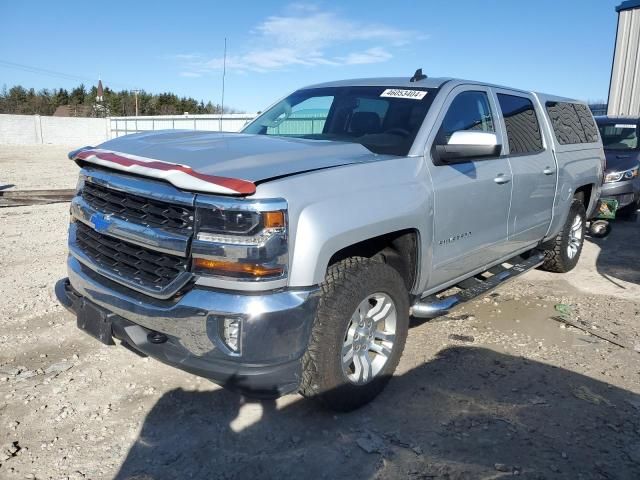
pixel 100 222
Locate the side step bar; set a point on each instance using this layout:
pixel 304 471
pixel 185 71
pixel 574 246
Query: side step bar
pixel 434 306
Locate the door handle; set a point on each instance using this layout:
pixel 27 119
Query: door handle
pixel 549 171
pixel 502 179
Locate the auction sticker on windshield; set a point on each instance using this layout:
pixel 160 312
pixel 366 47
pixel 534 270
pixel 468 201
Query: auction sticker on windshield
pixel 400 93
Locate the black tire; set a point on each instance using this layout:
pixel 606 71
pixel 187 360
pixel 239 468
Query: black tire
pixel 557 258
pixel 346 285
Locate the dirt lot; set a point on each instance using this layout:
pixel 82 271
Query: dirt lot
pixel 19 164
pixel 495 389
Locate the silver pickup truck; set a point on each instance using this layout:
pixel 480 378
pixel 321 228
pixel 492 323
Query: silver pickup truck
pixel 291 256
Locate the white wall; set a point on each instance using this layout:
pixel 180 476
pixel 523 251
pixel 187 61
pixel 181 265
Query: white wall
pixel 18 130
pixel 37 130
pixel 229 122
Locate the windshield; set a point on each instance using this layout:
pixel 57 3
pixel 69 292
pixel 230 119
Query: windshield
pixel 619 136
pixel 384 120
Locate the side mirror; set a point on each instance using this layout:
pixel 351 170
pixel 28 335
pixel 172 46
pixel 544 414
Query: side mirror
pixel 465 145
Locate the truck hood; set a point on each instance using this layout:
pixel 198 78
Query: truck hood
pixel 217 162
pixel 621 160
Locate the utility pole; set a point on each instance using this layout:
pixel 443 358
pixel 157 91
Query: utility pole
pixel 136 94
pixel 224 72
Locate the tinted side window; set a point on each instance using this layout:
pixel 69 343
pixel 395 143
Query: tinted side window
pixel 566 123
pixel 587 122
pixel 468 111
pixel 572 123
pixel 523 129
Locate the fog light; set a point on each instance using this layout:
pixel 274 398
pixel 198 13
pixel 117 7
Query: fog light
pixel 231 334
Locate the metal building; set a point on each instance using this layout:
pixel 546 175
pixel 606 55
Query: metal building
pixel 624 89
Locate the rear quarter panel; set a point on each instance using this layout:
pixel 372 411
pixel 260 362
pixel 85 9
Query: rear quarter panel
pixel 578 165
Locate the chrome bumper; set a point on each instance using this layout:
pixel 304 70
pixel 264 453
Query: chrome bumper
pixel 625 192
pixel 274 334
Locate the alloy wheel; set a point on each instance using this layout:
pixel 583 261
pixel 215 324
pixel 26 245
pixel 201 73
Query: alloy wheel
pixel 369 339
pixel 575 237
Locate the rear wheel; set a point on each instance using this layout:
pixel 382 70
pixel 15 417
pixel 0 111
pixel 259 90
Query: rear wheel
pixel 563 252
pixel 358 334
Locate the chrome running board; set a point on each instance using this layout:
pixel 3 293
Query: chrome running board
pixel 434 306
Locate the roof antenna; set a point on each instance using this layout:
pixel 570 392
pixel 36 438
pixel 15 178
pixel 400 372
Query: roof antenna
pixel 418 76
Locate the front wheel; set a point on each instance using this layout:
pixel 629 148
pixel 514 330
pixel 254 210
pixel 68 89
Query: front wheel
pixel 358 334
pixel 563 252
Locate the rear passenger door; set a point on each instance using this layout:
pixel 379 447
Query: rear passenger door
pixel 533 167
pixel 471 198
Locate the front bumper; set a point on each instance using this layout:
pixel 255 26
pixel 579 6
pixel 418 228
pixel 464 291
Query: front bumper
pixel 625 192
pixel 274 334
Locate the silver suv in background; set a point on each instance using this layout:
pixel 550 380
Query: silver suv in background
pixel 291 256
pixel 622 149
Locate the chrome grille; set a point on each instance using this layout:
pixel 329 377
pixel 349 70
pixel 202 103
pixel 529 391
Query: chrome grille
pixel 136 209
pixel 147 269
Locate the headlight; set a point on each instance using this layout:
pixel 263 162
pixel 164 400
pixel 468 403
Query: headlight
pixel 227 221
pixel 620 176
pixel 241 241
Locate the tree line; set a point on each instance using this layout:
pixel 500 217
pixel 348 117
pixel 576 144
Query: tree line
pixel 20 100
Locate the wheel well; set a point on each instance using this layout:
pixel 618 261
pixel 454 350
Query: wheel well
pixel 397 249
pixel 584 193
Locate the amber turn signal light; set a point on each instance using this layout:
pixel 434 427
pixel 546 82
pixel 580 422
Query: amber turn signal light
pixel 233 269
pixel 273 219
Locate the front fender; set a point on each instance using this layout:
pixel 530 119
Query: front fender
pixel 333 224
pixel 334 208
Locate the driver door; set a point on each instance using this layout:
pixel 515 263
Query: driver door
pixel 471 195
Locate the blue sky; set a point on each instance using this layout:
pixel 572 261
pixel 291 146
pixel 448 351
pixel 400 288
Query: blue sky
pixel 561 46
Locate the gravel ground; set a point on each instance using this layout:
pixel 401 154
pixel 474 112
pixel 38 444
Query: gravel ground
pixel 19 163
pixel 495 389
